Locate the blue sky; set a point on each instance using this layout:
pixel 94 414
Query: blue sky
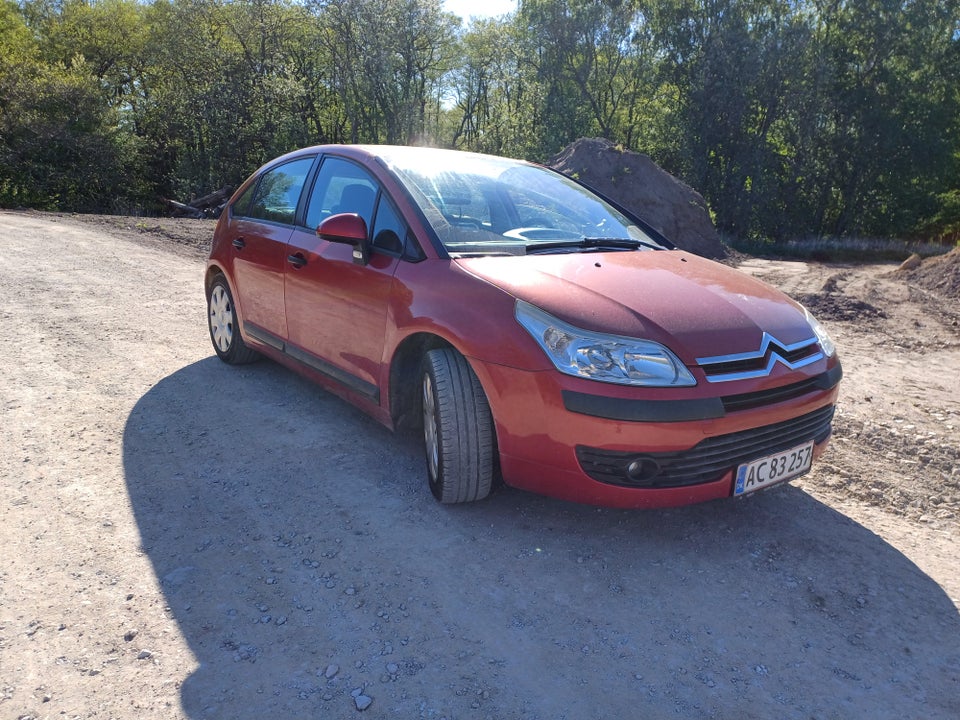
pixel 484 8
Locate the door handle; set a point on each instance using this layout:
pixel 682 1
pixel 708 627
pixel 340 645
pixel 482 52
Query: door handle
pixel 298 260
pixel 239 243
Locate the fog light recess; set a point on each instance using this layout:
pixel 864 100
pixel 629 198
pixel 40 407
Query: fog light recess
pixel 642 470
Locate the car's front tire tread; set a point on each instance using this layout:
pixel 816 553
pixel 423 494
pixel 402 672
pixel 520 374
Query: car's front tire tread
pixel 465 437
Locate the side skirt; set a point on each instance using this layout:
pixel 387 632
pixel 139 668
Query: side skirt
pixel 349 381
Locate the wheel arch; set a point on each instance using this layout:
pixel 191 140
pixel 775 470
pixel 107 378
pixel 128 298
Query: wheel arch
pixel 404 377
pixel 213 270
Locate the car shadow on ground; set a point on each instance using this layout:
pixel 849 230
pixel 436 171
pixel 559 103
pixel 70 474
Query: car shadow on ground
pixel 304 560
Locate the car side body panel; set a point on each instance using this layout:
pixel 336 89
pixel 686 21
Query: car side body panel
pixel 257 264
pixel 336 309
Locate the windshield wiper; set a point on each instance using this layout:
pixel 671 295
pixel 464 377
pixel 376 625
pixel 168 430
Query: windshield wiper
pixel 590 243
pixel 626 242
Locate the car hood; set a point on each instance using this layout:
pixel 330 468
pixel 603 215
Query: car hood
pixel 696 307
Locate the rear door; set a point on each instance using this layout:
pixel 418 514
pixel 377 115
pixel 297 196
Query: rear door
pixel 262 220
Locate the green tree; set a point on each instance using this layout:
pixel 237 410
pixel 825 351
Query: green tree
pixel 497 97
pixel 793 117
pixel 221 95
pixel 886 121
pixel 108 34
pixel 62 143
pixel 819 118
pixel 389 59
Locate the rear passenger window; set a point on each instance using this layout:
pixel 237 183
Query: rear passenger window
pixel 242 205
pixel 279 191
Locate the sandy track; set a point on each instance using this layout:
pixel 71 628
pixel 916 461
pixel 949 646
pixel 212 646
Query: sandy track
pixel 182 539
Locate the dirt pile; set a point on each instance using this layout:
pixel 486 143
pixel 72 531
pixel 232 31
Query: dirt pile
pixel 640 185
pixel 832 303
pixel 940 274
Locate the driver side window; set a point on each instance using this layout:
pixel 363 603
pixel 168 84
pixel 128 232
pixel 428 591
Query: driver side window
pixel 341 187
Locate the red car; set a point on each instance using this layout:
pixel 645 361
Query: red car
pixel 534 330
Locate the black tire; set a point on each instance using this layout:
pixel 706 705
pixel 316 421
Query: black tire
pixel 224 326
pixel 459 440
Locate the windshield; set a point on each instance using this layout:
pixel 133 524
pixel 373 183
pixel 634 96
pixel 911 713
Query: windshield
pixel 484 205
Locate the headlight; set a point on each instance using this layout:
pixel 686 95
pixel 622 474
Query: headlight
pixel 607 358
pixel 829 349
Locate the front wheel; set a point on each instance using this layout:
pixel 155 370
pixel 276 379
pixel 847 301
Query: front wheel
pixel 457 429
pixel 224 329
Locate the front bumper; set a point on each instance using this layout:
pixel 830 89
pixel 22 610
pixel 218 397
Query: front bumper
pixel 574 439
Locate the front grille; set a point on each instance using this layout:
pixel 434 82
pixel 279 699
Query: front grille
pixel 746 401
pixel 708 460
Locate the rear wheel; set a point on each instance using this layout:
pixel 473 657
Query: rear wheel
pixel 224 328
pixel 457 429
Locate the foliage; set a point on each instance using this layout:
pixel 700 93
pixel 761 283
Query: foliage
pixel 944 227
pixel 794 118
pixel 62 144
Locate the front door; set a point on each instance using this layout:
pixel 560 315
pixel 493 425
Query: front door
pixel 337 310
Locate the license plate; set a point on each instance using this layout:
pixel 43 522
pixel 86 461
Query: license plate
pixel 773 469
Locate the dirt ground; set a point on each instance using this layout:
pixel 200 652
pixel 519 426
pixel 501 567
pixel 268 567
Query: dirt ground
pixel 182 539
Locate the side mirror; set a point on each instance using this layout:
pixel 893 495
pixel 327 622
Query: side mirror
pixel 349 229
